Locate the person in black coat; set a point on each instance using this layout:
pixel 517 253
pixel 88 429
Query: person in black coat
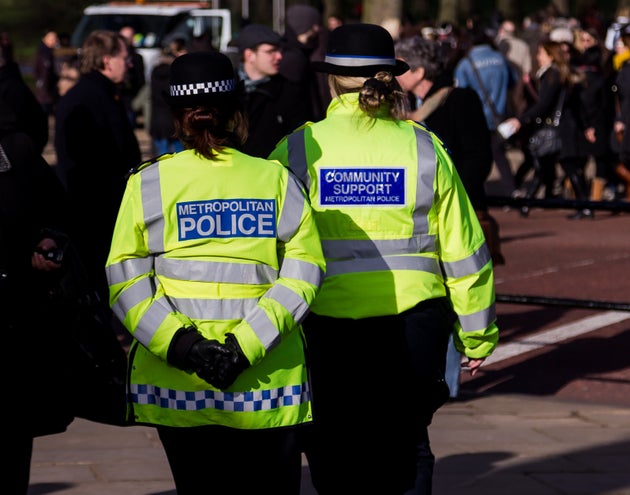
pixel 598 110
pixel 135 77
pixel 557 88
pixel 274 106
pixel 305 39
pixel 45 72
pixel 32 224
pixel 96 148
pixel 456 116
pixel 29 114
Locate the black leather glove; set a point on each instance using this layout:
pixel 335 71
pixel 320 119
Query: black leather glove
pixel 191 351
pixel 228 366
pixel 216 363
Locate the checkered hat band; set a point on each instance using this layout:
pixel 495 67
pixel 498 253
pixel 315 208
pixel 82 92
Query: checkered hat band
pixel 225 86
pixel 358 61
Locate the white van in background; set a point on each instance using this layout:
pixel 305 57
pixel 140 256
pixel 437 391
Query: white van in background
pixel 156 24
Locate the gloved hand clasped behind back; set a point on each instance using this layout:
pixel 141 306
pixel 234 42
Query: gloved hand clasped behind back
pixel 216 363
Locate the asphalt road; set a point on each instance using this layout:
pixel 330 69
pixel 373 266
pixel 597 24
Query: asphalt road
pixel 547 350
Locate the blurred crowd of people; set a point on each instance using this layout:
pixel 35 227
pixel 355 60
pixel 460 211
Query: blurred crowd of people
pixel 548 55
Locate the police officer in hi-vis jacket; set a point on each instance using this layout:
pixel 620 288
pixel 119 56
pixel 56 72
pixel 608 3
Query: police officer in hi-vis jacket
pixel 406 265
pixel 214 262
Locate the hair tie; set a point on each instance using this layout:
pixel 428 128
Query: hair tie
pixel 377 85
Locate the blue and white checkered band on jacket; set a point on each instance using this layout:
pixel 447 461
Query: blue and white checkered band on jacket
pixel 224 86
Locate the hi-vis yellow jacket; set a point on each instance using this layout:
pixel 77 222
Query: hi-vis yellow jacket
pixel 396 224
pixel 226 246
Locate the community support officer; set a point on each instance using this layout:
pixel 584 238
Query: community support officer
pixel 214 262
pixel 406 265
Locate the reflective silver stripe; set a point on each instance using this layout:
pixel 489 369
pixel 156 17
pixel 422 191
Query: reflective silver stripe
pixel 359 265
pixel 291 210
pixel 264 328
pixel 152 319
pixel 301 270
pixel 256 400
pixel 209 271
pixel 296 149
pixel 132 295
pixel 479 320
pixel 468 266
pixel 128 270
pixel 342 248
pixel 214 309
pixel 291 301
pixel 152 207
pixel 427 163
pixel 349 61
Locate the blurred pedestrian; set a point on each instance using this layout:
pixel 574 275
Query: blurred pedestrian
pixel 305 42
pixel 622 117
pixel 214 262
pixel 487 71
pixel 456 115
pixel 135 77
pixel 554 91
pixel 274 105
pixel 69 74
pixel 597 108
pixel 32 222
pixel 18 97
pixel 96 147
pixel 161 127
pixel 517 52
pixel 45 73
pixel 334 21
pixel 407 264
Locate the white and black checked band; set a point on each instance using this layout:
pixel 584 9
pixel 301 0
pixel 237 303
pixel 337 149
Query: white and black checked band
pixel 224 86
pixel 358 60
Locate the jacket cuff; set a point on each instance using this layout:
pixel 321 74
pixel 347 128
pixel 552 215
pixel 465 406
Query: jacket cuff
pixel 182 342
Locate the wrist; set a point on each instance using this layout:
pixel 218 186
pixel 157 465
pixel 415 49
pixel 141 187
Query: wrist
pixel 178 351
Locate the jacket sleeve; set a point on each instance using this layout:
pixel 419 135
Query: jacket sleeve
pixel 466 263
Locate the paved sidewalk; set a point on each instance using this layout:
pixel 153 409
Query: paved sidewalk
pixel 493 445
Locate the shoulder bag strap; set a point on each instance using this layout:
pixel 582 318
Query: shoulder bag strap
pixel 495 114
pixel 429 105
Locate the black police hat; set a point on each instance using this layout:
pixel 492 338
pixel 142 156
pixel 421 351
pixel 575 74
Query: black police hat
pixel 200 78
pixel 360 50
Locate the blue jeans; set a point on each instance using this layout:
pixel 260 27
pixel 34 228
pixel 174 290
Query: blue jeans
pixel 453 368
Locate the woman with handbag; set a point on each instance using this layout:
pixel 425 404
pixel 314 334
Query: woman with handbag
pixel 558 99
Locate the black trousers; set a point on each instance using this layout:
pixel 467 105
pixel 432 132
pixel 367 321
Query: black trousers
pixel 17 465
pixel 220 461
pixel 373 384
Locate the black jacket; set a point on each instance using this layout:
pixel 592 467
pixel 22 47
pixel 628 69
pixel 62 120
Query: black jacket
pixel 96 148
pixel 31 118
pixel 461 124
pixel 274 109
pixel 31 200
pixel 161 124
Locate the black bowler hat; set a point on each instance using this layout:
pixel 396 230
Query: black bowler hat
pixel 360 50
pixel 200 78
